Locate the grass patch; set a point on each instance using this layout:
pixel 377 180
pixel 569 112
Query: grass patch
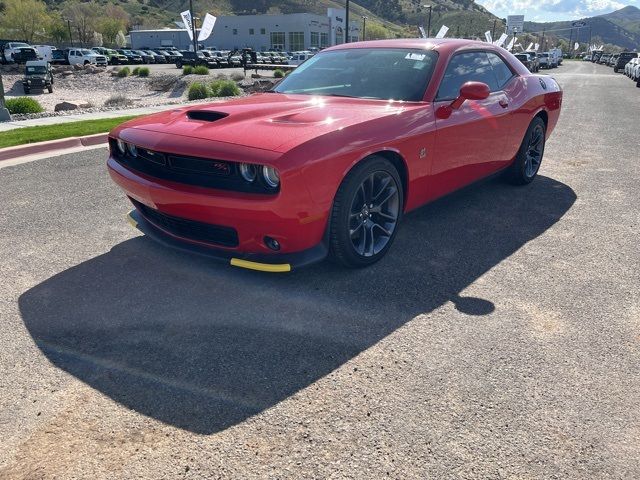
pixel 278 73
pixel 198 91
pixel 21 136
pixel 187 70
pixel 143 71
pixel 135 71
pixel 23 105
pixel 201 70
pixel 124 72
pixel 223 88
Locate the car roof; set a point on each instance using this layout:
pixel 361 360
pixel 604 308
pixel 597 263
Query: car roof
pixel 36 63
pixel 440 44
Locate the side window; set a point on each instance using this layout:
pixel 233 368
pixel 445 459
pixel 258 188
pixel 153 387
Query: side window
pixel 466 67
pixel 501 69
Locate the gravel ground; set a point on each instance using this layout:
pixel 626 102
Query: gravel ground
pixel 498 339
pixel 163 86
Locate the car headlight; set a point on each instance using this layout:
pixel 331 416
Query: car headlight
pixel 122 147
pixel 133 151
pixel 248 171
pixel 271 176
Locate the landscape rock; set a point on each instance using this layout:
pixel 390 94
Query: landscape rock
pixel 71 105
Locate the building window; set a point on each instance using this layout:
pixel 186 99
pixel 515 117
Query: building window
pixel 251 32
pixel 324 40
pixel 263 31
pixel 315 39
pixel 235 31
pixel 296 41
pixel 277 40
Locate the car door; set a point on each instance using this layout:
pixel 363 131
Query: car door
pixel 470 142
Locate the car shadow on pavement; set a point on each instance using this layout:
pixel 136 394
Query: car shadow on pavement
pixel 203 346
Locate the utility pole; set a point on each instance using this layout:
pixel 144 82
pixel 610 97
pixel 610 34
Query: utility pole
pixel 346 22
pixel 570 43
pixel 193 27
pixel 364 28
pixel 493 33
pixel 589 46
pixel 542 41
pixel 70 35
pixel 4 113
pixel 430 7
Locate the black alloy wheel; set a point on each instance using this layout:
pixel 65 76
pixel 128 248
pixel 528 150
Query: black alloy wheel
pixel 529 157
pixel 366 213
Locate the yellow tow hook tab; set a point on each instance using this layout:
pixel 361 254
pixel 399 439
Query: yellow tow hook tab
pixel 132 220
pixel 261 267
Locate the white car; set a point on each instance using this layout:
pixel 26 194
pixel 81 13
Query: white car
pixel 635 73
pixel 298 58
pixel 13 47
pixel 84 56
pixel 630 66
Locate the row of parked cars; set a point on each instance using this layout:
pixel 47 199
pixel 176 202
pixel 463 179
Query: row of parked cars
pixel 627 62
pixel 534 61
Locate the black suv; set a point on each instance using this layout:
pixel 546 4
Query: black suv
pixel 195 59
pixel 132 57
pixel 623 59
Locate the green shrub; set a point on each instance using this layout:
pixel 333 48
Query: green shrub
pixel 187 70
pixel 23 105
pixel 223 88
pixel 124 72
pixel 143 71
pixel 278 73
pixel 198 91
pixel 135 71
pixel 201 70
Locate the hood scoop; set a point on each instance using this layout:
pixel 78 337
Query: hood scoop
pixel 205 115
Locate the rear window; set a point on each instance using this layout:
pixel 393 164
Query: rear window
pixel 628 55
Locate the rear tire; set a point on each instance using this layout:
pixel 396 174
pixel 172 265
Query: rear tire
pixel 529 157
pixel 366 213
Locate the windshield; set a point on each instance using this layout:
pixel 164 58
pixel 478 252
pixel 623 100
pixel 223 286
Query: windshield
pixel 88 52
pixel 37 70
pixel 379 73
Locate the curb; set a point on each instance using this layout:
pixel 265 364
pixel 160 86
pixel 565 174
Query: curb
pixel 12 153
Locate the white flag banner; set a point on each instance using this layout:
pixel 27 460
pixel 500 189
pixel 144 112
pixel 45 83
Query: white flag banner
pixel 576 46
pixel 500 41
pixel 487 36
pixel 443 31
pixel 529 47
pixel 422 32
pixel 186 19
pixel 536 47
pixel 207 27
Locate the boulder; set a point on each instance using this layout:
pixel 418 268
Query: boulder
pixel 71 105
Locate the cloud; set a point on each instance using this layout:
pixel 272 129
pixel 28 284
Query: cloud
pixel 552 10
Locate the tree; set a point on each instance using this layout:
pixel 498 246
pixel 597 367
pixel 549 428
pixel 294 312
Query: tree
pixel 375 31
pixel 57 30
pixel 84 18
pixel 97 39
pixel 24 18
pixel 121 41
pixel 109 28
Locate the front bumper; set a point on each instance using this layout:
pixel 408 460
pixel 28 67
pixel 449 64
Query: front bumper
pixel 272 263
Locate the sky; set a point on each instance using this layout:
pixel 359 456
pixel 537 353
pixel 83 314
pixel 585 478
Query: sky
pixel 554 10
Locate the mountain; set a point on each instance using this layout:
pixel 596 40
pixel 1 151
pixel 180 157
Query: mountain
pixel 621 28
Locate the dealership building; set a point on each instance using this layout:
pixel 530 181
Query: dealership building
pixel 290 32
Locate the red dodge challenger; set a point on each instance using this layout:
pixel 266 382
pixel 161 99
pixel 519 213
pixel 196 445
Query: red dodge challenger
pixel 328 161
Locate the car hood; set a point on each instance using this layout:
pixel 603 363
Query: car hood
pixel 268 121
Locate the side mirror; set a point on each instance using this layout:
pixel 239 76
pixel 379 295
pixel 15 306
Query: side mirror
pixel 468 91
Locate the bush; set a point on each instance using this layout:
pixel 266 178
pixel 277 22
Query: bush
pixel 201 70
pixel 278 73
pixel 118 101
pixel 198 91
pixel 23 105
pixel 143 71
pixel 135 71
pixel 187 70
pixel 223 88
pixel 124 72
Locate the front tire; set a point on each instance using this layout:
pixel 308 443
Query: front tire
pixel 529 157
pixel 366 212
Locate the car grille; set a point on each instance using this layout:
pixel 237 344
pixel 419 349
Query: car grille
pixel 200 172
pixel 189 229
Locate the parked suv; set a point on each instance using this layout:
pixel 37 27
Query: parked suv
pixel 523 57
pixel 623 59
pixel 113 57
pixel 37 76
pixel 132 57
pixel 195 59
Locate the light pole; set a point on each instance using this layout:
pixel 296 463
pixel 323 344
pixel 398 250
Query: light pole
pixel 430 7
pixel 346 22
pixel 69 27
pixel 193 27
pixel 493 33
pixel 364 27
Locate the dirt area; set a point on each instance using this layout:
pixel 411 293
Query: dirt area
pixel 99 85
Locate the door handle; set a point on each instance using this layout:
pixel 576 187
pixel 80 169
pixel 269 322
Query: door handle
pixel 503 103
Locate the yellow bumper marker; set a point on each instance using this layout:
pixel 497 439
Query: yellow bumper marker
pixel 261 267
pixel 131 220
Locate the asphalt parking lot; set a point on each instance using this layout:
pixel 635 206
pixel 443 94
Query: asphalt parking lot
pixel 500 338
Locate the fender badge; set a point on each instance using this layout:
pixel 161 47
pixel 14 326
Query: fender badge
pixel 542 84
pixel 423 152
